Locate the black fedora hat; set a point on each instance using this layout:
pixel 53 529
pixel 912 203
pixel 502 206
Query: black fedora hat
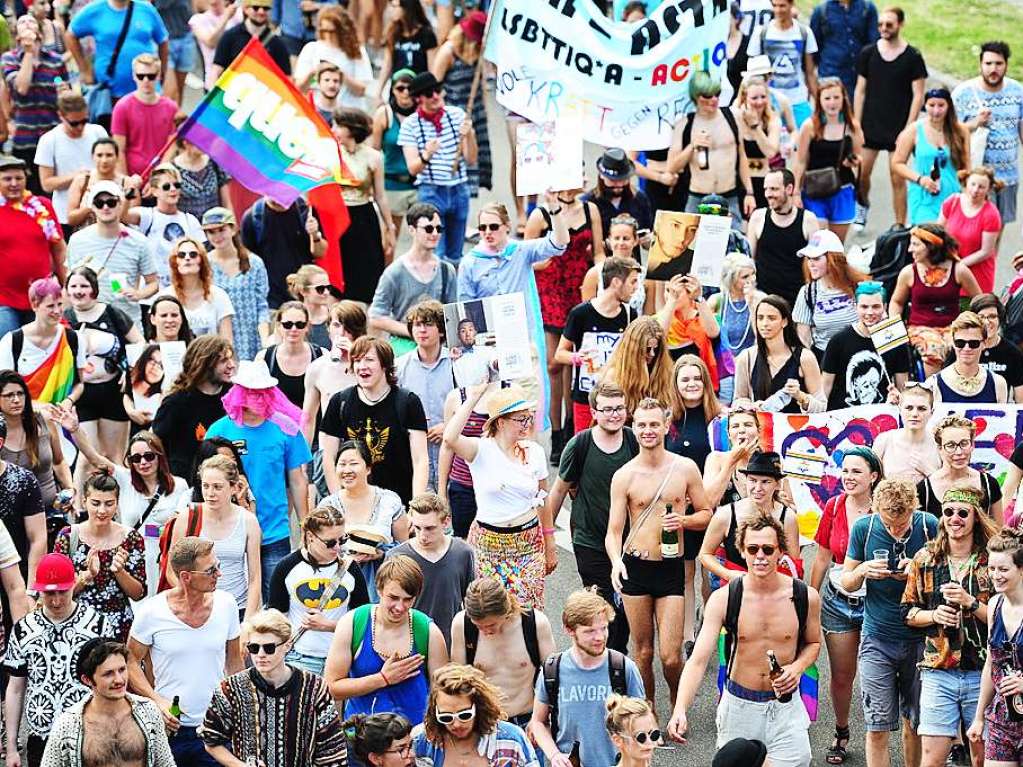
pixel 764 464
pixel 422 83
pixel 615 164
pixel 740 752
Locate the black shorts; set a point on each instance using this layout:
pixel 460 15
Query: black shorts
pixel 879 144
pixel 693 542
pixel 102 400
pixel 653 578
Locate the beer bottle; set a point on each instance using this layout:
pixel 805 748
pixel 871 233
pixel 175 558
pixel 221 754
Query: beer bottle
pixel 573 757
pixel 669 539
pixel 776 671
pixel 702 157
pixel 936 173
pixel 175 707
pixel 1014 701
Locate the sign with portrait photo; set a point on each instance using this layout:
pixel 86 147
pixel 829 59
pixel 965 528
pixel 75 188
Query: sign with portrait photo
pixel 488 338
pixel 548 156
pixel 688 243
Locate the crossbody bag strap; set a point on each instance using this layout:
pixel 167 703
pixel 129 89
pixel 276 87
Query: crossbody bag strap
pixel 112 66
pixel 650 508
pixel 149 510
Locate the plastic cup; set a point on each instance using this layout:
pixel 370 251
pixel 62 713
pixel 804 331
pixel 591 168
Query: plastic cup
pixel 880 555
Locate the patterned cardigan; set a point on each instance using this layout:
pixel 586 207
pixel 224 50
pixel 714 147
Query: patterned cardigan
pixel 64 746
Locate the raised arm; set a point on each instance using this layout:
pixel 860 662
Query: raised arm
pixel 462 446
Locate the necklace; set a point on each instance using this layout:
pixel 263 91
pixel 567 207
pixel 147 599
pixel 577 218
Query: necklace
pixel 369 400
pixel 964 384
pixel 411 636
pixel 738 308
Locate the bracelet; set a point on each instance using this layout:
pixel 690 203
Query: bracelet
pixel 577 359
pixel 549 530
pixel 386 682
pixel 918 177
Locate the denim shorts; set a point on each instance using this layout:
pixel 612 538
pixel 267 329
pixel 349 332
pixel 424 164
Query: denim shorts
pixel 838 615
pixel 311 663
pixel 1005 201
pixel 947 698
pixel 182 54
pixel 889 682
pixel 839 208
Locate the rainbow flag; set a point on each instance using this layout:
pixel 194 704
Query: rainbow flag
pixel 54 379
pixel 808 683
pixel 256 124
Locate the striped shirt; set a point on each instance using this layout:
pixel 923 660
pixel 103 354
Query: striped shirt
pixel 417 132
pixel 831 311
pixel 35 112
pixel 127 258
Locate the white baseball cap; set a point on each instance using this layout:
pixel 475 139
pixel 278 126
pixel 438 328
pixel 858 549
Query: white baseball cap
pixel 822 241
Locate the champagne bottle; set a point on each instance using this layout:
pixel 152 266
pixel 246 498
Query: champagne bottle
pixel 175 707
pixel 669 539
pixel 776 671
pixel 573 757
pixel 1014 701
pixel 702 157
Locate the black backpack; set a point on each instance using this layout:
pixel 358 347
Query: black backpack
pixel 800 598
pixel 552 681
pixel 891 254
pixel 18 343
pixel 583 440
pixel 471 636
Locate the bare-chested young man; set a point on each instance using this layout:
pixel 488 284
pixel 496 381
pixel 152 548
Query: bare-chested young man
pixel 910 453
pixel 652 587
pixel 706 142
pixel 509 644
pixel 767 620
pixel 110 727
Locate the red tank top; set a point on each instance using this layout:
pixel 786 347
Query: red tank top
pixel 933 307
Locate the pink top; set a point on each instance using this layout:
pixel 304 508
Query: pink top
pixel 145 128
pixel 968 232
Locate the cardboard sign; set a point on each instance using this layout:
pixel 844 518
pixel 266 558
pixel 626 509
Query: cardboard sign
pixel 489 338
pixel 548 156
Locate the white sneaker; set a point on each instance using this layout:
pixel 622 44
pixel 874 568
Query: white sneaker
pixel 861 216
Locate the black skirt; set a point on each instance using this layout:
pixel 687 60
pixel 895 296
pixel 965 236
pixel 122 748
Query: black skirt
pixel 362 253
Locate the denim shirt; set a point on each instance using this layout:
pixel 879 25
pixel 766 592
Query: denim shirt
pixel 841 33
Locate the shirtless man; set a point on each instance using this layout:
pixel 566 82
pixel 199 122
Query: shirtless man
pixel 493 633
pixel 653 587
pixel 330 373
pixel 102 730
pixel 707 144
pixel 910 452
pixel 750 705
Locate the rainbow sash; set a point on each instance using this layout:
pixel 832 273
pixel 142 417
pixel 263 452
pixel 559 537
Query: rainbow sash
pixel 53 380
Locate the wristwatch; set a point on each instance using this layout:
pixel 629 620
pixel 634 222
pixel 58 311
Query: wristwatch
pixel 975 606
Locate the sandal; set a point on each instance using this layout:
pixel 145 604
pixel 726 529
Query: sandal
pixel 837 754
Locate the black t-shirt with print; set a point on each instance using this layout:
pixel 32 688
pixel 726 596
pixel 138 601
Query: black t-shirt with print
pixel 587 328
pixel 862 376
pixel 384 430
pixel 181 422
pixel 410 52
pixel 1004 358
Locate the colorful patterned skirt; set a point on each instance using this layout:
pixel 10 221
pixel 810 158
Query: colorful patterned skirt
pixel 516 558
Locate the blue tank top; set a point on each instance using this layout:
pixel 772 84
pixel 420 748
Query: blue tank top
pixel 407 698
pixel 986 394
pixel 924 206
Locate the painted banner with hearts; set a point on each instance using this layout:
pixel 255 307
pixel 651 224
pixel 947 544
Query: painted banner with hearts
pixel 828 435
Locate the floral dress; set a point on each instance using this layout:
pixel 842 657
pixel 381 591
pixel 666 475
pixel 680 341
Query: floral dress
pixel 558 285
pixel 105 595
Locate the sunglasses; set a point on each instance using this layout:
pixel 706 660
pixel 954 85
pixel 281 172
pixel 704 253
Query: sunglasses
pixel 755 548
pixel 146 75
pixel 189 254
pixel 401 88
pixel 952 447
pixel 76 123
pixel 963 343
pixel 438 228
pixel 489 227
pixel 448 717
pixel 105 202
pixel 149 456
pixel 209 572
pixel 321 289
pixel 289 324
pixel 332 543
pixel 654 736
pixel 253 648
pixel 430 93
pixel 961 513
pixel 170 185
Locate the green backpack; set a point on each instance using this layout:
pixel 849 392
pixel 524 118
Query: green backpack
pixel 420 630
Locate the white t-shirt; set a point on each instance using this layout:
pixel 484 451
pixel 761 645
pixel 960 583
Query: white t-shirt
pixel 163 230
pixel 32 356
pixel 132 506
pixel 506 489
pixel 206 22
pixel 65 155
pixel 314 52
pixel 188 662
pixel 785 49
pixel 205 318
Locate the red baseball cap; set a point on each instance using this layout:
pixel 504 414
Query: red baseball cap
pixel 55 572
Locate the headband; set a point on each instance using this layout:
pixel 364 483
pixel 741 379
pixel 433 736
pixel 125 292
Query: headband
pixel 867 455
pixel 938 93
pixel 926 236
pixel 966 495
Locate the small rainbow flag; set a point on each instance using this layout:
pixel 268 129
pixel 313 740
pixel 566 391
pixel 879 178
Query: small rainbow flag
pixel 259 128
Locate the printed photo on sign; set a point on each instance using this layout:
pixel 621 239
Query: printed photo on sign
pixel 170 354
pixel 146 378
pixel 488 338
pixel 672 251
pixel 548 156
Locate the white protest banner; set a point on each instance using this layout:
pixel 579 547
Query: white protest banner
pixel 548 156
pixel 489 337
pixel 831 434
pixel 889 334
pixel 626 84
pixel 710 248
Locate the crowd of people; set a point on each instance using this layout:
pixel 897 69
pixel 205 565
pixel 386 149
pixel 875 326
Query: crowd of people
pixel 255 516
